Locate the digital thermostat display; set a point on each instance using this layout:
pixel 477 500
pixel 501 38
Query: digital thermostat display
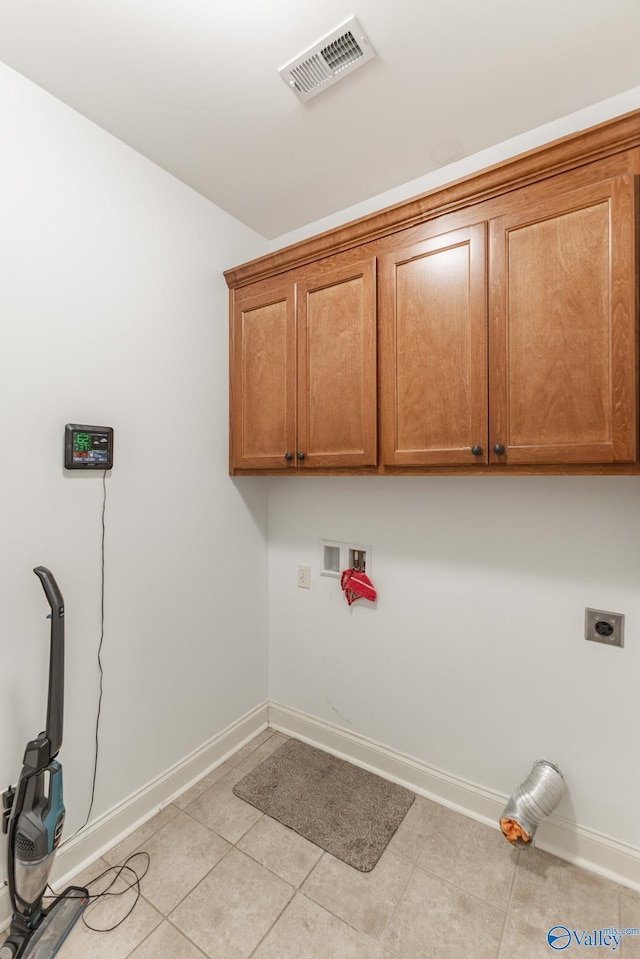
pixel 88 447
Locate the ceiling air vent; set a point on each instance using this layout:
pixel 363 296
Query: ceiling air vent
pixel 335 56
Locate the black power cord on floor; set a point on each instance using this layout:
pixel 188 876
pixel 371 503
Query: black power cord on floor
pixel 132 883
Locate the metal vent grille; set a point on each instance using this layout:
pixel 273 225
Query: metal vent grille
pixel 329 60
pixel 342 51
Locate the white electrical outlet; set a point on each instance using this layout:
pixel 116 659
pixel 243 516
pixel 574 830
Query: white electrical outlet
pixel 304 577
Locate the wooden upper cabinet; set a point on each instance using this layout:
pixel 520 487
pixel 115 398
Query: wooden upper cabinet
pixel 337 365
pixel 563 347
pixel 263 375
pixel 488 326
pixel 303 384
pixel 433 351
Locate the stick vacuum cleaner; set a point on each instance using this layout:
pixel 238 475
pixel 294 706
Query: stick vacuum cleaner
pixel 33 816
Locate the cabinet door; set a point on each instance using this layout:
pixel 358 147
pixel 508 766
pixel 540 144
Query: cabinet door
pixel 262 388
pixel 563 347
pixel 337 383
pixel 433 347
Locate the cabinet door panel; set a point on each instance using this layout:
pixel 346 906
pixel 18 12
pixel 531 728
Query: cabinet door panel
pixel 337 419
pixel 262 403
pixel 433 328
pixel 563 328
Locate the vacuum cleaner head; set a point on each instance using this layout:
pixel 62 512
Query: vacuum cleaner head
pixel 51 932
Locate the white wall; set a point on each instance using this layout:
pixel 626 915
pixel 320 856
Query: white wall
pixel 114 311
pixel 473 660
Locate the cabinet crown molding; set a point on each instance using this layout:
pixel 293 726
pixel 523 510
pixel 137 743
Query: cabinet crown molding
pixel 598 142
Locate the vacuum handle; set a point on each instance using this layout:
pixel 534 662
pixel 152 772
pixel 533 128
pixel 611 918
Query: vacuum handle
pixel 55 704
pixel 51 589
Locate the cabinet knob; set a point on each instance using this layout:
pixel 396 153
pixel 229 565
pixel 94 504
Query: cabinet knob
pixel 288 456
pixel 476 450
pixel 498 449
pixel 300 456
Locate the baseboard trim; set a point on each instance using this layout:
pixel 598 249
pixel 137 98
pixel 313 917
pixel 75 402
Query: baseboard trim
pixel 577 844
pixel 585 847
pixel 116 824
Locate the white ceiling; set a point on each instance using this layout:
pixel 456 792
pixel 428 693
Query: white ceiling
pixel 194 86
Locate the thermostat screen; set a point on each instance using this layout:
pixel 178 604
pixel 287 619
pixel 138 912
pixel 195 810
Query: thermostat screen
pixel 91 447
pixel 88 447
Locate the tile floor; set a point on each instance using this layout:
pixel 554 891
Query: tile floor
pixel 226 882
